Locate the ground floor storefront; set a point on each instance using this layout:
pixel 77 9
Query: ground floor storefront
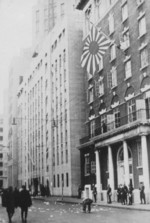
pixel 120 157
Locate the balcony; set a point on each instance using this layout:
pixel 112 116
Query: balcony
pixel 122 124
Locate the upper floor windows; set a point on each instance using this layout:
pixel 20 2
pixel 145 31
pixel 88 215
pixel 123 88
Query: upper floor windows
pixel 111 23
pixel 112 52
pixel 128 71
pixel 112 78
pixel 142 26
pixel 144 58
pixel 124 12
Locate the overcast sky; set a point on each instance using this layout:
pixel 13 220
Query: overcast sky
pixel 15 34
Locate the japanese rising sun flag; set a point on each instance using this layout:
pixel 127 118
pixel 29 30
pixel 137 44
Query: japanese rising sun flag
pixel 94 48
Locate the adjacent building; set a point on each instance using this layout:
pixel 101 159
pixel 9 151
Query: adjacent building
pixel 115 150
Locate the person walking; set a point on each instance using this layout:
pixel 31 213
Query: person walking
pixel 130 194
pixel 25 203
pixel 95 193
pixel 142 193
pixel 109 194
pixel 8 201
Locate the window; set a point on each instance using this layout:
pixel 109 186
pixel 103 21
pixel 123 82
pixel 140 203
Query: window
pixel 1 164
pixel 139 150
pixel 144 58
pixel 131 110
pixel 126 40
pixel 1 129
pixel 1 138
pixel 116 113
pixel 92 128
pixel 101 85
pixel 128 72
pixel 67 179
pixel 112 78
pixel 142 26
pixel 1 155
pixel 101 64
pixel 66 155
pixel 112 52
pixel 147 101
pixel 87 164
pixel 103 123
pixel 1 173
pixel 124 12
pixel 97 9
pixel 54 183
pixel 62 9
pixel 111 23
pixel 90 95
pixel 37 22
pixel 62 180
pixel 58 183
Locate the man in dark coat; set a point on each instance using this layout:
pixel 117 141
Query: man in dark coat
pixel 25 203
pixel 8 201
pixel 142 193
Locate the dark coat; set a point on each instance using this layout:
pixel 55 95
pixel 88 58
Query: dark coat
pixel 25 199
pixel 8 200
pixel 17 197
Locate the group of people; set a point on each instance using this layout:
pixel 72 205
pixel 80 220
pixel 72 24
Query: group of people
pixel 125 194
pixel 12 199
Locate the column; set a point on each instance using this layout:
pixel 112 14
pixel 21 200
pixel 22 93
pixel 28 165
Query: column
pixel 98 171
pixel 145 162
pixel 126 163
pixel 111 168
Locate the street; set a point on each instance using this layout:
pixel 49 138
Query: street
pixel 44 212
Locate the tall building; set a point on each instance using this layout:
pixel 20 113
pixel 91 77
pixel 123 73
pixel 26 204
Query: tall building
pixel 115 150
pixel 51 103
pixel 3 156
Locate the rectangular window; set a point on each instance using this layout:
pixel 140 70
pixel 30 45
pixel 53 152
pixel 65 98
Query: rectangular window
pixel 1 155
pixel 58 183
pixel 131 110
pixel 139 150
pixel 128 72
pixel 103 123
pixel 66 155
pixel 92 128
pixel 126 40
pixel 111 23
pixel 114 76
pixel 1 138
pixel 1 173
pixel 62 180
pixel 1 129
pixel 87 164
pixel 1 164
pixel 54 183
pixel 144 58
pixel 112 52
pixel 67 179
pixel 90 95
pixel 116 113
pixel 124 12
pixel 142 26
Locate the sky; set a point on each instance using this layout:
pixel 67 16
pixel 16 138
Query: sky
pixel 15 34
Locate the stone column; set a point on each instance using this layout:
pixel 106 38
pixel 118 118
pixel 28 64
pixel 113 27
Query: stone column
pixel 145 162
pixel 126 163
pixel 111 168
pixel 98 171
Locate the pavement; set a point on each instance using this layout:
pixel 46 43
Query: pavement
pixel 74 200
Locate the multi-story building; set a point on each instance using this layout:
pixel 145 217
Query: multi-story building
pixel 51 103
pixel 3 156
pixel 116 148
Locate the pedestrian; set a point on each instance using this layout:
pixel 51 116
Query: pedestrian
pixel 16 196
pixel 87 203
pixel 142 193
pixel 8 201
pixel 119 193
pixel 125 194
pixel 25 203
pixel 130 194
pixel 109 194
pixel 94 193
pixel 79 191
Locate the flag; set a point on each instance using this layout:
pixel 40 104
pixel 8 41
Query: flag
pixel 94 48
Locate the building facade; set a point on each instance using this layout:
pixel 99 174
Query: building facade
pixel 50 106
pixel 3 156
pixel 116 149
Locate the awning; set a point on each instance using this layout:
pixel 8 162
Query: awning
pixel 145 84
pixel 102 108
pixel 129 93
pixel 115 101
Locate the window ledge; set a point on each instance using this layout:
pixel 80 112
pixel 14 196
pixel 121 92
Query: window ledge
pixel 127 58
pixel 113 87
pixel 123 2
pixel 142 68
pixel 123 21
pixel 127 78
pixel 139 167
pixel 143 46
pixel 101 95
pixel 112 60
pixel 125 30
pixel 140 16
pixel 111 33
pixel 139 37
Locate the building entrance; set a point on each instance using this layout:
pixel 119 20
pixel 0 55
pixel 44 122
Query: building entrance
pixel 121 167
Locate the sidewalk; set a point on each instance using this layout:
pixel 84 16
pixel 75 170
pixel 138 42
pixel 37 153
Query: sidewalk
pixel 72 200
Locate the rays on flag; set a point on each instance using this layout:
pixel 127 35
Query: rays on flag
pixel 94 48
